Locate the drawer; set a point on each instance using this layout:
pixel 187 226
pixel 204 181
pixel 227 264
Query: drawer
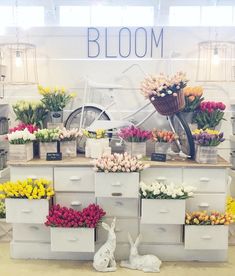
pixel 31 232
pixel 206 180
pixel 117 185
pixel 162 211
pixel 206 202
pixel 206 237
pixel 74 179
pixel 31 172
pixel 76 201
pixel 164 175
pixel 120 207
pixel 26 211
pixel 72 239
pixel 153 233
pixel 123 226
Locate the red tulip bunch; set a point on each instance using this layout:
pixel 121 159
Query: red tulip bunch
pixel 89 217
pixel 31 128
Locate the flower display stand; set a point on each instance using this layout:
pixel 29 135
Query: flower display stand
pixel 206 237
pixel 22 152
pixel 68 148
pixel 162 211
pixel 26 211
pixel 72 239
pixel 5 231
pixel 44 148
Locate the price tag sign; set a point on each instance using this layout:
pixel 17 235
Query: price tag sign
pixel 54 156
pixel 160 157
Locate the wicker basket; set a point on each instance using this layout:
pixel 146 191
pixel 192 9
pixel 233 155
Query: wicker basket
pixel 169 104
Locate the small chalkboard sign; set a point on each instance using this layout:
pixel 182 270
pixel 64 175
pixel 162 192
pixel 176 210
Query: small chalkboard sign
pixel 158 157
pixel 54 156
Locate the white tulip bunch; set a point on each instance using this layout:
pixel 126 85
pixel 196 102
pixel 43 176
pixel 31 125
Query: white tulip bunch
pixel 118 163
pixel 20 137
pixel 69 134
pixel 159 190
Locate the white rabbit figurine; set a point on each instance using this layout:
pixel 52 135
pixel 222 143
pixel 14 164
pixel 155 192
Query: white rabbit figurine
pixel 146 263
pixel 104 258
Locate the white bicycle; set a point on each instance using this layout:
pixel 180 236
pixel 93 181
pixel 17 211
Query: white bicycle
pixel 92 116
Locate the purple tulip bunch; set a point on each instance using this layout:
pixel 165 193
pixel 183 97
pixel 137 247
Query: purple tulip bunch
pixel 208 137
pixel 134 134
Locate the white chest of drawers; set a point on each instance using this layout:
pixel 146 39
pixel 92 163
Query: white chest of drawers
pixel 74 184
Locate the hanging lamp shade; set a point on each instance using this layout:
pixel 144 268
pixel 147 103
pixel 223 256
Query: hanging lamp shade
pixel 216 61
pixel 21 63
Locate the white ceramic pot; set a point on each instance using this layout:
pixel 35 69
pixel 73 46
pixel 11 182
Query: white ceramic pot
pixel 72 239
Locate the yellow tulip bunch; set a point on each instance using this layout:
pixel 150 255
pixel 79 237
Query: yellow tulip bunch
pixel 98 134
pixel 230 206
pixel 193 97
pixel 55 99
pixel 29 188
pixel 205 218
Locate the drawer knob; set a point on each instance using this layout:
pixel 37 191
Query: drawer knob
pixel 118 230
pixel 206 237
pixel 119 203
pixel 163 211
pixel 75 178
pixel 26 211
pixel 75 203
pixel 72 239
pixel 204 205
pixel 33 177
pixel 204 179
pixel 161 178
pixel 118 183
pixel 162 229
pixel 34 227
pixel 116 194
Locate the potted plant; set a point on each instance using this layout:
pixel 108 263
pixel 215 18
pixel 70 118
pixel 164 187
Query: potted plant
pixel 135 140
pixel 165 92
pixel 30 113
pixel 68 141
pixel 20 145
pixel 207 230
pixel 97 143
pixel 209 115
pixel 162 203
pixel 72 230
pixel 5 228
pixel 117 175
pixel 163 140
pixel 193 98
pixel 206 145
pixel 48 139
pixel 55 99
pixel 27 201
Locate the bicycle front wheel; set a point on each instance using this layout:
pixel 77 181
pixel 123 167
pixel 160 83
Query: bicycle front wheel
pixel 89 116
pixel 185 138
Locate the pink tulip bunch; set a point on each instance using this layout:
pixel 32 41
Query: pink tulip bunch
pixel 212 106
pixel 65 217
pixel 31 128
pixel 118 163
pixel 134 134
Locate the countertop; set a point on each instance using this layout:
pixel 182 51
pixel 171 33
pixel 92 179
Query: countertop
pixel 81 161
